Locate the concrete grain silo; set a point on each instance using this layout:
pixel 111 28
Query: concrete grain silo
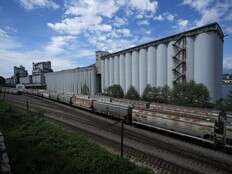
pixel 196 55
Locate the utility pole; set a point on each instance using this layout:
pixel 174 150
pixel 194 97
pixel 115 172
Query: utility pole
pixel 122 136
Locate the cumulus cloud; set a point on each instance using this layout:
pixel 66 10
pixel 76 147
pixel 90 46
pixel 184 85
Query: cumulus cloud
pixel 98 20
pixel 227 63
pixel 144 5
pixel 58 43
pixel 143 22
pixel 198 4
pixel 210 10
pixel 57 50
pixel 31 4
pixel 164 16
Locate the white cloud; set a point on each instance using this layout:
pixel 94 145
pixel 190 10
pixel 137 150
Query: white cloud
pixel 143 22
pixel 182 24
pixel 144 5
pixel 57 44
pixel 210 10
pixel 124 31
pixel 214 13
pixel 92 8
pixel 228 29
pixel 31 4
pixel 198 4
pixel 227 63
pixel 164 16
pixel 119 21
pixel 57 50
pixel 99 22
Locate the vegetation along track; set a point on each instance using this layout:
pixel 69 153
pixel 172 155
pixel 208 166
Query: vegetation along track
pixel 158 151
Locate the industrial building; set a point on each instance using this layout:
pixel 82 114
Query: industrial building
pixel 196 55
pixel 41 68
pixel 19 72
pixel 72 81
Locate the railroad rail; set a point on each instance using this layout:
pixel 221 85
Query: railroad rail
pixel 157 151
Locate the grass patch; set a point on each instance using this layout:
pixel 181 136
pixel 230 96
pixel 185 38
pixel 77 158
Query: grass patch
pixel 36 146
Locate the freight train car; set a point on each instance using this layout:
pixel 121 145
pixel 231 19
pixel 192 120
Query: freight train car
pixel 115 110
pixel 178 123
pixel 83 102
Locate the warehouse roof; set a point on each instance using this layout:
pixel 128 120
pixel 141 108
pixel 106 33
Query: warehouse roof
pixel 206 28
pixel 73 69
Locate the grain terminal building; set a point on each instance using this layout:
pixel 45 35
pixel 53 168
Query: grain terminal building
pixel 196 55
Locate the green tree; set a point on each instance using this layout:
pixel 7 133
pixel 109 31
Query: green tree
pixel 2 81
pixel 132 94
pixel 85 90
pixel 163 95
pixel 148 94
pixel 190 94
pixel 115 91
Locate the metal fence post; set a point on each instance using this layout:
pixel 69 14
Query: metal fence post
pixel 122 137
pixel 27 104
pixel 4 95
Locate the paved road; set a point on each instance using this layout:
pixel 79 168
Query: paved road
pixel 158 151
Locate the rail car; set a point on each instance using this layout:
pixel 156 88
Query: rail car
pixel 204 124
pixel 82 102
pixel 64 98
pixel 111 109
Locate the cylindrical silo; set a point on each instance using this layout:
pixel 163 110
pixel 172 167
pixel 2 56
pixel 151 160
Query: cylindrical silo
pixel 116 69
pixel 89 80
pixel 84 78
pixel 142 70
pixel 161 65
pixel 128 70
pixel 170 64
pixel 189 58
pixel 151 66
pixel 106 73
pixel 122 71
pixel 78 82
pixel 102 75
pixel 75 81
pixel 219 69
pixel 135 70
pixel 93 81
pixel 206 51
pixel 81 80
pixel 111 71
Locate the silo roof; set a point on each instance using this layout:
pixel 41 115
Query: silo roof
pixel 206 28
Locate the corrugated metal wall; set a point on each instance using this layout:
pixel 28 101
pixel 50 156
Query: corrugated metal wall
pixel 72 80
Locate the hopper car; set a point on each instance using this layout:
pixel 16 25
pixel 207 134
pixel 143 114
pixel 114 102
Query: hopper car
pixel 198 123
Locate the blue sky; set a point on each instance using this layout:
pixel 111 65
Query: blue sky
pixel 68 32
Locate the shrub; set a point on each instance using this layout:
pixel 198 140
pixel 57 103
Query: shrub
pixel 150 94
pixel 163 94
pixel 85 90
pixel 36 146
pixel 190 94
pixel 147 93
pixel 132 94
pixel 115 91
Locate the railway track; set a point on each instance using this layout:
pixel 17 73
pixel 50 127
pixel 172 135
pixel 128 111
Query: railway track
pixel 163 154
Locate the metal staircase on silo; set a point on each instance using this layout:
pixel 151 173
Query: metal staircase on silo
pixel 179 59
